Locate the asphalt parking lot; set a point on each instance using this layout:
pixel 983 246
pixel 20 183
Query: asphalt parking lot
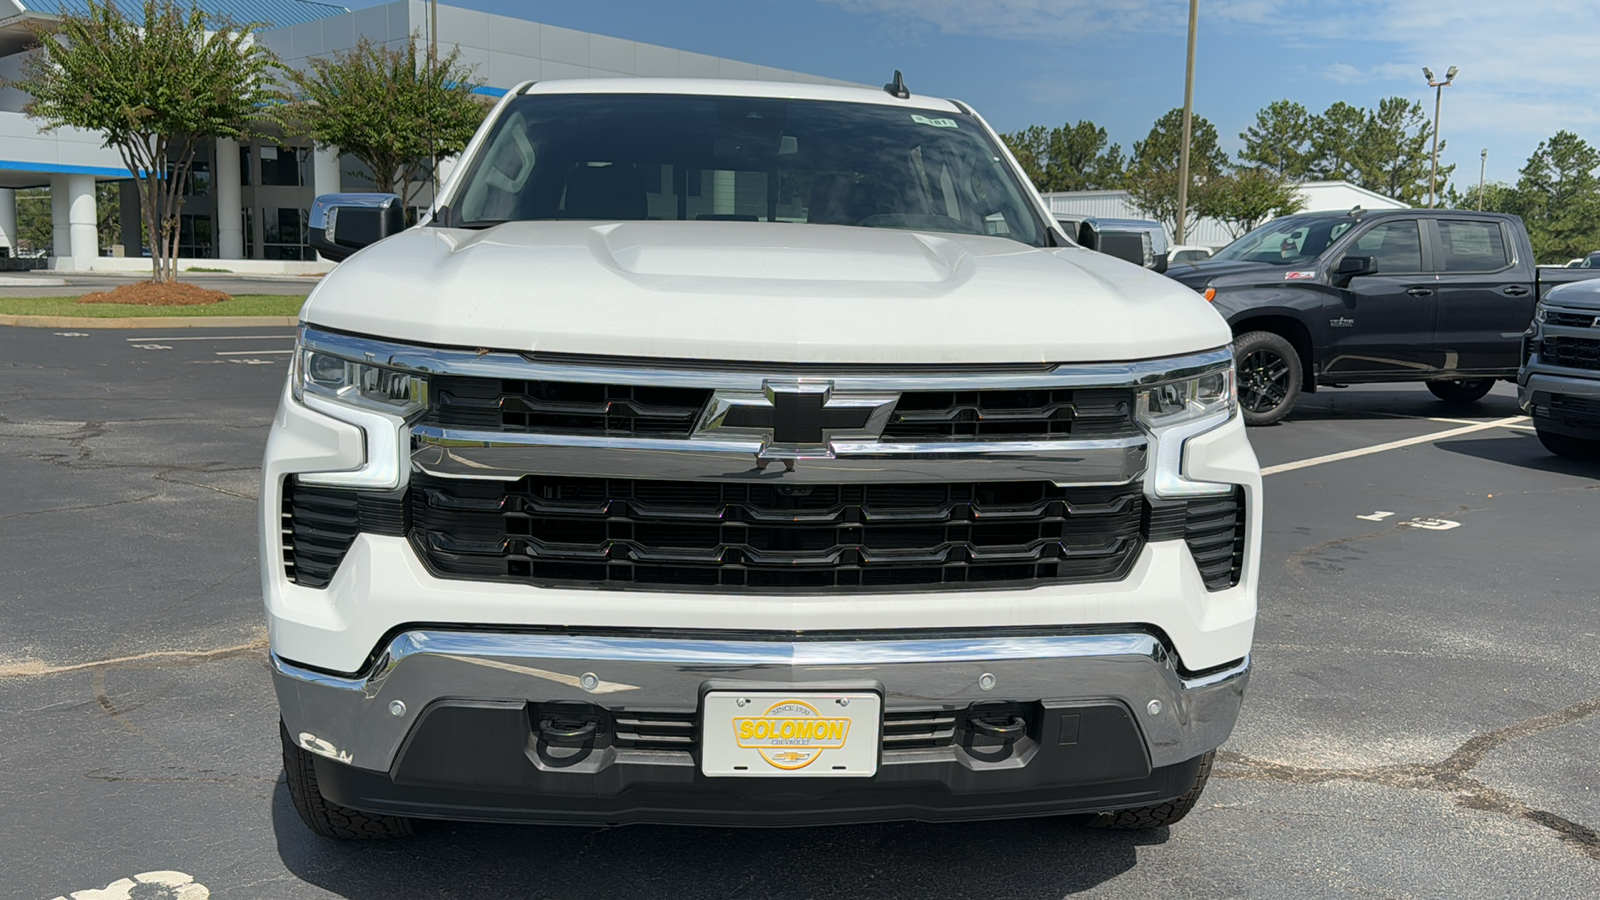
pixel 1422 721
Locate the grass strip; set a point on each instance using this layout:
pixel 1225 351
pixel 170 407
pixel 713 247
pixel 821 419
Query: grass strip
pixel 241 305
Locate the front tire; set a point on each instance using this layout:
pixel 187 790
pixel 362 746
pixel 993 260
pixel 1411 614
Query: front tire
pixel 330 820
pixel 1270 376
pixel 1169 813
pixel 1465 390
pixel 1567 445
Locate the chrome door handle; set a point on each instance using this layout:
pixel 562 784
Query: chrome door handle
pixel 1420 292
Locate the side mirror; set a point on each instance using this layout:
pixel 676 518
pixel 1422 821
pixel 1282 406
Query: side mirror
pixel 1088 236
pixel 341 224
pixel 1351 266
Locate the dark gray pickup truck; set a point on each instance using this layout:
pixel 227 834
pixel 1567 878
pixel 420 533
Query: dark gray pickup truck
pixel 1326 299
pixel 1559 385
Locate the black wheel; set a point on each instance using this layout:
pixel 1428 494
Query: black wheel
pixel 1269 376
pixel 330 820
pixel 1168 813
pixel 1465 390
pixel 1567 445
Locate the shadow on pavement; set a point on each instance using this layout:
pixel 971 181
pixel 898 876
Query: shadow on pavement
pixel 1527 453
pixel 1021 858
pixel 1338 403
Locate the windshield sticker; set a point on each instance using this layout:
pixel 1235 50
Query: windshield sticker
pixel 1298 276
pixel 937 123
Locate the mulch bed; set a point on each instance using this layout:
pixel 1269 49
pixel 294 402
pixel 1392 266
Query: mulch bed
pixel 148 293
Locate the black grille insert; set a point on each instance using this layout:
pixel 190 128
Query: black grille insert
pixel 319 524
pixel 1570 320
pixel 1571 352
pixel 1214 529
pixel 995 415
pixel 736 536
pixel 558 407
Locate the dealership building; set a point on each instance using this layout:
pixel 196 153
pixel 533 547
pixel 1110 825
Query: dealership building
pixel 249 199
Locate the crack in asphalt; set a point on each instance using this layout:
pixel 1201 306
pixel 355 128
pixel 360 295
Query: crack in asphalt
pixel 87 506
pixel 33 668
pixel 1448 776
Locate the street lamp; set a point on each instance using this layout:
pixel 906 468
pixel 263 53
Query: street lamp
pixel 1438 97
pixel 1179 225
pixel 1483 166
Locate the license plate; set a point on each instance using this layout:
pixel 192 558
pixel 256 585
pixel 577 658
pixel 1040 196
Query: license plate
pixel 805 734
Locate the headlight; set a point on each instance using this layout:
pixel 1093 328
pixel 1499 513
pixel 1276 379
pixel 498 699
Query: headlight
pixel 1539 313
pixel 1200 397
pixel 358 383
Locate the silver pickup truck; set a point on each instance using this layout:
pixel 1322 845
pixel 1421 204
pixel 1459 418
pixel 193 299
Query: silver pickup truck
pixel 1559 384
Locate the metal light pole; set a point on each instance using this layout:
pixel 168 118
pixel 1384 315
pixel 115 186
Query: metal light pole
pixel 1438 98
pixel 1483 166
pixel 433 63
pixel 1188 115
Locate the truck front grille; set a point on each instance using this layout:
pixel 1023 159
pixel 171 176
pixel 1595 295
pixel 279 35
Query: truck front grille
pixel 698 536
pixel 1571 352
pixel 1019 415
pixel 632 411
pixel 558 407
pixel 1570 319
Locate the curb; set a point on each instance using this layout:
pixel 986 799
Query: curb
pixel 148 321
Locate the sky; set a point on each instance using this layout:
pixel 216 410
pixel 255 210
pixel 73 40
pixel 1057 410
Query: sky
pixel 1527 69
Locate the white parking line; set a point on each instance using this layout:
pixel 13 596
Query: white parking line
pixel 249 352
pixel 220 337
pixel 1510 422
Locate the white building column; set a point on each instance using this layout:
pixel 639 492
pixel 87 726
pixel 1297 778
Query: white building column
pixel 81 219
pixel 60 229
pixel 8 219
pixel 230 206
pixel 325 175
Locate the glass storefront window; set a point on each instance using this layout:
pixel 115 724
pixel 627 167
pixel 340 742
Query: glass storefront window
pixel 285 166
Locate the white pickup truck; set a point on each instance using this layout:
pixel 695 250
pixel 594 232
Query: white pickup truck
pixel 746 453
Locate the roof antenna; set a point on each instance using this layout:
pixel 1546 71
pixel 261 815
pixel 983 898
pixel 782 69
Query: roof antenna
pixel 897 87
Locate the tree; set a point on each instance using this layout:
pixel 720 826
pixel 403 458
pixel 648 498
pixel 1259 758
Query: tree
pixel 1242 200
pixel 1558 197
pixel 1280 140
pixel 1393 155
pixel 1152 179
pixel 1335 143
pixel 1497 197
pixel 154 89
pixel 1069 158
pixel 389 109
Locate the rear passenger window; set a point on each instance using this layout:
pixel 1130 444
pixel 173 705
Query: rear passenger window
pixel 1472 247
pixel 1395 247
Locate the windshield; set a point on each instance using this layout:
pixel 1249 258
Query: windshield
pixel 613 157
pixel 1289 241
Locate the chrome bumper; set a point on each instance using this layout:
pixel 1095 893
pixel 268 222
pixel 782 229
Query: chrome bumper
pixel 1543 382
pixel 363 720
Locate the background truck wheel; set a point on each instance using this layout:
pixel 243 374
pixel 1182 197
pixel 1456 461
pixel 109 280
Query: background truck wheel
pixel 1567 445
pixel 1156 816
pixel 1269 376
pixel 329 819
pixel 1469 390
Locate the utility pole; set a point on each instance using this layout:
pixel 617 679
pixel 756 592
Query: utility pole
pixel 1483 166
pixel 1438 97
pixel 433 64
pixel 1178 231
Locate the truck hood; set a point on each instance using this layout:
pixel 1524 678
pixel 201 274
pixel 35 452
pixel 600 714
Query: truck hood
pixel 1578 295
pixel 1210 271
pixel 769 292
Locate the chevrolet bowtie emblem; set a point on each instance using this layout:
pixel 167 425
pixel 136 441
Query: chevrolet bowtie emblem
pixel 794 420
